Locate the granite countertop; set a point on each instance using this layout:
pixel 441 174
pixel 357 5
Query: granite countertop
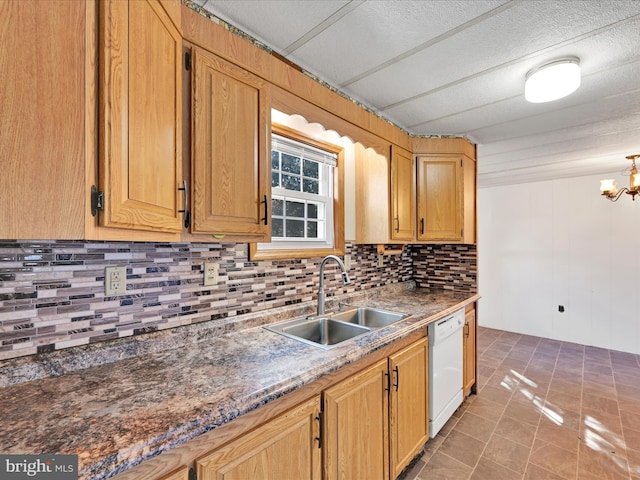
pixel 116 414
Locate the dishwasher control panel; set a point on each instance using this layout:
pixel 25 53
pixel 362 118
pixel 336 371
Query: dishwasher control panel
pixel 444 327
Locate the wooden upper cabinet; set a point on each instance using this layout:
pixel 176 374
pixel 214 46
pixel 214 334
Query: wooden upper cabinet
pixel 440 198
pixel 403 195
pixel 42 119
pixel 140 115
pixel 231 134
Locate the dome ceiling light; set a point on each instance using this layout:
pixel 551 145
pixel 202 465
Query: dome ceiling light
pixel 553 80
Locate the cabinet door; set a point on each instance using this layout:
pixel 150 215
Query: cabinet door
pixel 409 408
pixel 403 195
pixel 356 426
pixel 42 119
pixel 181 474
pixel 440 198
pixel 469 350
pixel 285 447
pixel 231 141
pixel 140 116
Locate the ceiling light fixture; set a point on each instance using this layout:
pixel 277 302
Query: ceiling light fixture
pixel 608 186
pixel 553 80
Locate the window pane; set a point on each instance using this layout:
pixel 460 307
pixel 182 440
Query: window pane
pixel 311 169
pixel 295 209
pixel 295 228
pixel 312 229
pixel 276 206
pixel 291 183
pixel 312 210
pixel 310 186
pixel 275 179
pixel 275 160
pixel 277 228
pixel 290 164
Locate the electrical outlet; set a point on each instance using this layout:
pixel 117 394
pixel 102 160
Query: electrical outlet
pixel 380 260
pixel 211 270
pixel 347 262
pixel 115 281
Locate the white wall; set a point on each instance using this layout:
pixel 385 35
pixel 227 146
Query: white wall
pixel 559 242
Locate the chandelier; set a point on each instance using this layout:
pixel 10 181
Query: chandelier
pixel 608 186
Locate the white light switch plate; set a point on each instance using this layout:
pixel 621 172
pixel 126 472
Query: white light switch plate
pixel 380 260
pixel 347 262
pixel 115 281
pixel 211 270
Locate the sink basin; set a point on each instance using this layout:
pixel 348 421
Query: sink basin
pixel 320 332
pixel 369 317
pixel 325 331
pixel 331 330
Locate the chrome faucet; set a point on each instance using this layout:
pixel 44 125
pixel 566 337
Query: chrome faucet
pixel 345 280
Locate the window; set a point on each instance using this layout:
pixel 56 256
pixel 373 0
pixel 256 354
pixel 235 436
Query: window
pixel 303 201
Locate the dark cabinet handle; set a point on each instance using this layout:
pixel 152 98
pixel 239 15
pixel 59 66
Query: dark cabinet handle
pixel 397 219
pixel 185 204
pixel 319 437
pixel 397 377
pixel 467 329
pixel 422 226
pixel 388 387
pixel 266 210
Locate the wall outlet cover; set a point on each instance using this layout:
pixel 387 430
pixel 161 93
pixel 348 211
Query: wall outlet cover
pixel 347 261
pixel 211 270
pixel 380 260
pixel 115 281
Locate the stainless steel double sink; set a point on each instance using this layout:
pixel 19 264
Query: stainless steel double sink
pixel 329 330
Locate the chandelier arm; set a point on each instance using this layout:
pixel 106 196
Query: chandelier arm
pixel 616 197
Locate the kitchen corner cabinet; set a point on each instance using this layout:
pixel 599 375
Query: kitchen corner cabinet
pixel 140 116
pixel 403 195
pixel 409 404
pixel 231 135
pixel 286 447
pixel 469 350
pixel 356 413
pixel 446 198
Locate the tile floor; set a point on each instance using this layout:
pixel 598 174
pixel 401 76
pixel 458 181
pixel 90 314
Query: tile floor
pixel 545 410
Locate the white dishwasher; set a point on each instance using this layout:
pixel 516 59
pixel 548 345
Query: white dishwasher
pixel 445 369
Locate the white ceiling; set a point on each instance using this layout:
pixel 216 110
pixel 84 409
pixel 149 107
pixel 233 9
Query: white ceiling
pixel 457 67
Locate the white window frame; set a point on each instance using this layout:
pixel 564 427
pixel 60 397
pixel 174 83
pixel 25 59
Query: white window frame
pixel 327 163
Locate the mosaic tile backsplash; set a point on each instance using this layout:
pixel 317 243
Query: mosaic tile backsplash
pixel 52 292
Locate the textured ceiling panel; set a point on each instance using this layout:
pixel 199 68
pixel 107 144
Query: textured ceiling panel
pixel 458 67
pixel 372 39
pixel 465 54
pixel 278 23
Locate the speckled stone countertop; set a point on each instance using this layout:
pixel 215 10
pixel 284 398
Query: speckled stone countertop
pixel 116 414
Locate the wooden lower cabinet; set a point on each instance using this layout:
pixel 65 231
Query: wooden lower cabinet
pixel 285 447
pixel 409 404
pixel 181 474
pixel 356 426
pixel 469 350
pixel 377 420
